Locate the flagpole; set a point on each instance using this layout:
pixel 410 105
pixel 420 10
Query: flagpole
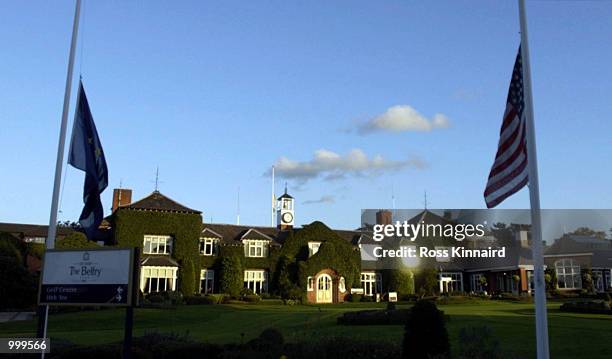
pixel 273 200
pixel 50 242
pixel 534 197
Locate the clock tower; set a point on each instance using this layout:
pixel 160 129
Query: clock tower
pixel 284 211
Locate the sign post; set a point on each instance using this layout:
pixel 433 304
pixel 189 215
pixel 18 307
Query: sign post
pixel 129 311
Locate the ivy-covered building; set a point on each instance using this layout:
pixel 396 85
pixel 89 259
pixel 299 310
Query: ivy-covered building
pixel 180 252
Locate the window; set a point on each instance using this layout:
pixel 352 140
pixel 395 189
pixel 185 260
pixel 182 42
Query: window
pixel 477 285
pixel 607 279
pixel 342 285
pixel 255 248
pixel 157 244
pixel 207 281
pixel 310 283
pixel 313 248
pixel 530 281
pixel 158 279
pixel 286 204
pixel 451 282
pixel 371 282
pixel 209 246
pixel 256 280
pixel 568 274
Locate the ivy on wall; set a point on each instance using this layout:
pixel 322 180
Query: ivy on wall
pixel 130 227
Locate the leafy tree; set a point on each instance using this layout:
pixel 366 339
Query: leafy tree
pixel 427 281
pixel 232 277
pixel 425 333
pixel 17 285
pixel 75 240
pixel 585 231
pixel 400 280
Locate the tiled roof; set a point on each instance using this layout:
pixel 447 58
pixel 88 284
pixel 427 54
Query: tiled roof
pixel 158 202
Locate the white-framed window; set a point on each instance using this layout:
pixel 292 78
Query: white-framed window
pixel 255 248
pixel 313 248
pixel 607 279
pixel 451 282
pixel 371 283
pixel 476 283
pixel 286 204
pixel 154 244
pixel 207 281
pixel 310 286
pixel 256 280
pixel 157 279
pixel 209 246
pixel 342 285
pixel 568 274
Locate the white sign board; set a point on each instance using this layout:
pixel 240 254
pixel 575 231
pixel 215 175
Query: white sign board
pixel 87 277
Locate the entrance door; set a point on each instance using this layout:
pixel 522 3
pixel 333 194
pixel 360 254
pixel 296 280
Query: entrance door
pixel 324 289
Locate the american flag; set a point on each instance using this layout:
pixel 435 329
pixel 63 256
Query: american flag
pixel 509 171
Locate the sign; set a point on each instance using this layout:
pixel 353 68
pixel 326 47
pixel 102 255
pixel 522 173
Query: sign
pixel 392 296
pixel 100 277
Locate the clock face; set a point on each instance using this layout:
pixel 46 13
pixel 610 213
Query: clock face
pixel 287 217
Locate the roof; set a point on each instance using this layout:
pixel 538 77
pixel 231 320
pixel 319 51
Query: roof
pixel 233 234
pixel 156 201
pixel 209 233
pixel 32 230
pixel 159 261
pixel 572 244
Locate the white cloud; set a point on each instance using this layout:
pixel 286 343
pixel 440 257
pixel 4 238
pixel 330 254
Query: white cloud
pixel 332 166
pixel 323 199
pixel 403 118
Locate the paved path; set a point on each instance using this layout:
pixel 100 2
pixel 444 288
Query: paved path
pixel 13 316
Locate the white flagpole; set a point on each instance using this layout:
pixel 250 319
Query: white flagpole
pixel 273 200
pixel 50 243
pixel 534 196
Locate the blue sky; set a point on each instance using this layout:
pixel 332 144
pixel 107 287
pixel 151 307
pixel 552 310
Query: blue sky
pixel 214 93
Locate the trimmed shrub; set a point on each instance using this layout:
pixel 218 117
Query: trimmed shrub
pixel 187 280
pixel 251 298
pixel 200 299
pixel 425 333
pixel 427 282
pixel 232 276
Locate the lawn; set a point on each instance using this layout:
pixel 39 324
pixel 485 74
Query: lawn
pixel 571 335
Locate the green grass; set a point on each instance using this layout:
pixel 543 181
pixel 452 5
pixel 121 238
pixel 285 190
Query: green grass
pixel 571 335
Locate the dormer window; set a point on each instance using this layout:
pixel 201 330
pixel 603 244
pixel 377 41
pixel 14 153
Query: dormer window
pixel 313 248
pixel 255 248
pixel 209 246
pixel 157 244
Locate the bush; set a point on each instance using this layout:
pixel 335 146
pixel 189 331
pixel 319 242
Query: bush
pixel 478 343
pixel 375 317
pixel 18 287
pixel 251 298
pixel 200 299
pixel 354 298
pixel 591 306
pixel 367 298
pixel 269 341
pixel 427 281
pixel 75 240
pixel 425 334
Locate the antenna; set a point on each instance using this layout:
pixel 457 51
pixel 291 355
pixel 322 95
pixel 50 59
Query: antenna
pixel 425 199
pixel 157 179
pixel 238 208
pixel 393 197
pixel 285 187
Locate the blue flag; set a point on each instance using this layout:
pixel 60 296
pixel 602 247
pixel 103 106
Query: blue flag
pixel 86 154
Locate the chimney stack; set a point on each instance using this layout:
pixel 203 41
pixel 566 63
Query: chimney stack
pixel 384 216
pixel 121 197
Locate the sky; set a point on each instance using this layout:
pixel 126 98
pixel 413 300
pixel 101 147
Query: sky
pixel 354 102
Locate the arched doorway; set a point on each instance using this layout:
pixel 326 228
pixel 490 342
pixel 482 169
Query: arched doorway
pixel 324 289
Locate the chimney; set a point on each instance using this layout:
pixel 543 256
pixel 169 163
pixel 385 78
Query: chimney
pixel 523 238
pixel 383 216
pixel 121 197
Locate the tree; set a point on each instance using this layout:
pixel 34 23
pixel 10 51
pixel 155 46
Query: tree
pixel 232 277
pixel 425 333
pixel 17 285
pixel 427 281
pixel 400 280
pixel 75 240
